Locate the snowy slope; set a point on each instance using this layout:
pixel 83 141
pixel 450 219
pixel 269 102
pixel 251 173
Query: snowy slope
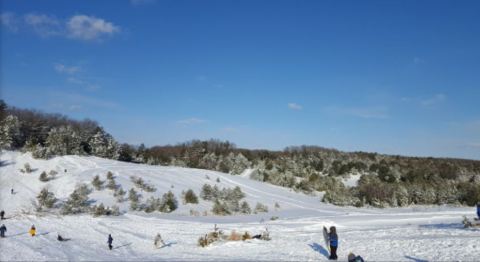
pixel 416 233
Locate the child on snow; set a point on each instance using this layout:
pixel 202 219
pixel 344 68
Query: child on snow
pixel 353 258
pixel 32 231
pixel 3 229
pixel 110 241
pixel 158 241
pixel 333 239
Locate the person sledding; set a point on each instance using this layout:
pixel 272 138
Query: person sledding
pixel 110 241
pixel 62 239
pixel 3 229
pixel 32 231
pixel 158 241
pixel 333 242
pixel 352 258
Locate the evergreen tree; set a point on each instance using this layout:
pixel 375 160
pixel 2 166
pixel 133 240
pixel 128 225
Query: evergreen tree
pixel 169 202
pixel 97 183
pixel 43 177
pixel 63 140
pixel 9 132
pixel 207 192
pixel 190 197
pixel 245 208
pixel 46 199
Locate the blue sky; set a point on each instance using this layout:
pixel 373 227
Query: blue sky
pixel 397 77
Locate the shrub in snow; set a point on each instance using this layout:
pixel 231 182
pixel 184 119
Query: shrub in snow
pixel 169 202
pixel 99 210
pixel 77 202
pixel 111 184
pixel 259 208
pixel 97 183
pixel 207 192
pixel 27 168
pixel 220 208
pixel 46 199
pixel 134 199
pixel 109 175
pixel 140 183
pixel 218 180
pixel 43 177
pixel 277 206
pixel 190 197
pixel 119 194
pixel 153 204
pixel 245 208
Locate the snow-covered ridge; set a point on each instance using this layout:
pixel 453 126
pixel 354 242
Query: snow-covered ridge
pixel 82 169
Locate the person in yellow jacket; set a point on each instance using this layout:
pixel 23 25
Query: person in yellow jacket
pixel 32 231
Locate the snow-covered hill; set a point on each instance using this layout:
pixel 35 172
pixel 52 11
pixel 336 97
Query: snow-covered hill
pixel 416 233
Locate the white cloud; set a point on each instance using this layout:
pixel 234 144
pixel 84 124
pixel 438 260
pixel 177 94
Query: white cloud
pixel 9 20
pixel 436 99
pixel 63 69
pixel 191 121
pixel 376 112
pixel 43 25
pixel 75 102
pixel 294 106
pixel 89 28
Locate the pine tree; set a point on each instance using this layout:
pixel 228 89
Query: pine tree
pixel 9 132
pixel 169 202
pixel 97 183
pixel 207 192
pixel 190 197
pixel 245 208
pixel 43 177
pixel 78 201
pixel 63 140
pixel 46 199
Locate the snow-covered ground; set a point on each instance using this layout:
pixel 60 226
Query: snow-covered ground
pixel 406 234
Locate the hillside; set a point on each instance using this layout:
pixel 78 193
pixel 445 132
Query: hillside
pixel 419 233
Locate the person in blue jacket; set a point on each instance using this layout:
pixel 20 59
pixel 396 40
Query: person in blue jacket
pixel 110 241
pixel 478 210
pixel 333 239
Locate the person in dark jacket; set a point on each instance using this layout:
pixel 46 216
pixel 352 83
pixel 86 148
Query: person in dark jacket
pixel 2 215
pixel 3 229
pixel 333 239
pixel 110 241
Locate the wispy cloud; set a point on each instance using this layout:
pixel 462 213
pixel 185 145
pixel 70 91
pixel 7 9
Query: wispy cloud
pixel 43 25
pixel 191 121
pixel 375 112
pixel 435 99
pixel 75 102
pixel 9 21
pixel 64 69
pixel 79 27
pixel 294 106
pixel 90 28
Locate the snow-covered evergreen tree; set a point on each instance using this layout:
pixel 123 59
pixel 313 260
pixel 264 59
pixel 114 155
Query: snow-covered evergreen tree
pixel 63 140
pixel 9 132
pixel 102 144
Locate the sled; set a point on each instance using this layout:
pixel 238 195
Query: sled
pixel 325 237
pixel 470 223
